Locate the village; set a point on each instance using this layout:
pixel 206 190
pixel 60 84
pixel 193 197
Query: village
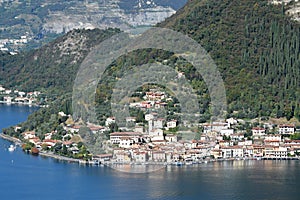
pixel 9 96
pixel 12 45
pixel 159 140
pixel 218 141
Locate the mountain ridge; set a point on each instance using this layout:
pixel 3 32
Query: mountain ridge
pixel 38 22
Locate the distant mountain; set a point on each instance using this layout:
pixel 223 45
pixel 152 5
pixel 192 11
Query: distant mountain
pixel 42 20
pixel 135 5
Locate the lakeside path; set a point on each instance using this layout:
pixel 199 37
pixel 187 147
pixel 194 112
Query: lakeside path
pixel 58 157
pixel 45 154
pixel 10 138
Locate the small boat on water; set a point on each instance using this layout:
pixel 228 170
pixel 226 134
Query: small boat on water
pixel 11 148
pixel 189 161
pixel 94 162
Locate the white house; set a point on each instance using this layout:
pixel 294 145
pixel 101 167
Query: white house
pixel 154 96
pixel 171 138
pixel 50 142
pixel 231 121
pixel 2 88
pixel 126 142
pixel 172 124
pixel 237 136
pixel 258 131
pixel 95 129
pixel 7 91
pixel 248 151
pixel 29 135
pixel 149 117
pixel 227 132
pixel 34 140
pixel 140 157
pixel 156 134
pixel 248 142
pixel 7 99
pixel 232 152
pixel 74 149
pixel 287 129
pixel 158 156
pixel 271 142
pixel 116 137
pixel 275 152
pixel 203 150
pixel 276 137
pixel 123 157
pixel 21 94
pixel 73 129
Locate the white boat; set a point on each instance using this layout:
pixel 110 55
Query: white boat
pixel 11 148
pixel 188 161
pixel 94 162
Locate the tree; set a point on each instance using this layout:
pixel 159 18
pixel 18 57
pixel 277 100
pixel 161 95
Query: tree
pixel 297 112
pixel 113 127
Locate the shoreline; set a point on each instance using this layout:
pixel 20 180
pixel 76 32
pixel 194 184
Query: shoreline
pixel 43 154
pixel 79 161
pixel 10 138
pixel 58 157
pixel 23 104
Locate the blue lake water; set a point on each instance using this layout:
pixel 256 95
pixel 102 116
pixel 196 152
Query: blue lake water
pixel 23 176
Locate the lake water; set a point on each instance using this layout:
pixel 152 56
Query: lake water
pixel 23 176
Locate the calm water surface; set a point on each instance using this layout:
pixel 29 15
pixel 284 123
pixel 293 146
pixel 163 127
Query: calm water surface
pixel 24 176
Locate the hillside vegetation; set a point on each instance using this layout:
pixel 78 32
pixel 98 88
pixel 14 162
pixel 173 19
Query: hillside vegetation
pixel 254 44
pixel 54 66
pixel 256 47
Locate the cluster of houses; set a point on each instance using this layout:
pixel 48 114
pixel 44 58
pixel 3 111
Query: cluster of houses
pixel 18 97
pixel 157 141
pixel 155 146
pixel 12 45
pixel 154 99
pixel 48 141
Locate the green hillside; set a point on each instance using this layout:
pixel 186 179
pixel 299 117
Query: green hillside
pixel 54 66
pixel 256 48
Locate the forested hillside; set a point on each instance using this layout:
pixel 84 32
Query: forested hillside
pixel 256 47
pixel 254 44
pixel 54 66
